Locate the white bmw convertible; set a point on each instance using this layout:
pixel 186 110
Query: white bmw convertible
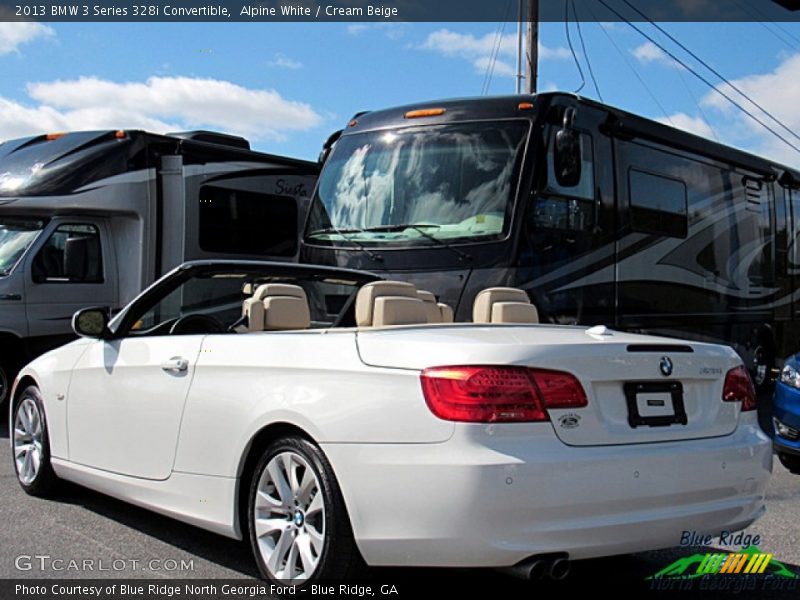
pixel 333 417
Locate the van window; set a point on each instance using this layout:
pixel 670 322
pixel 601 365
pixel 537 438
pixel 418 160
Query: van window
pixel 658 204
pixel 242 222
pixel 78 244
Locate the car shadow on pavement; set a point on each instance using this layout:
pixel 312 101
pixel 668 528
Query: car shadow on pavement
pixel 222 551
pixel 225 552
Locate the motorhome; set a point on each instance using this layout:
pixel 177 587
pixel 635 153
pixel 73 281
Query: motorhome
pixel 602 216
pixel 90 218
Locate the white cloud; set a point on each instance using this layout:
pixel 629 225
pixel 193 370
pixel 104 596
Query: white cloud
pixel 649 53
pixel 779 92
pixel 695 125
pixel 284 62
pixel 357 28
pixel 159 104
pixel 479 50
pixel 393 30
pixel 14 34
pixel 500 68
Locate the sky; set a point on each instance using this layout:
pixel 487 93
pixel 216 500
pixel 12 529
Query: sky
pixel 287 86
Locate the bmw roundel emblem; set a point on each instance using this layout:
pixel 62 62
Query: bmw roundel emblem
pixel 665 366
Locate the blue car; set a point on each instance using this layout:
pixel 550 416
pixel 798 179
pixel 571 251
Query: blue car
pixel 786 415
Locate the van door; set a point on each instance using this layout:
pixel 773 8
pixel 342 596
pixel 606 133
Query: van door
pixel 73 266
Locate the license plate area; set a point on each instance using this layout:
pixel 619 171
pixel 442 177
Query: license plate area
pixel 655 403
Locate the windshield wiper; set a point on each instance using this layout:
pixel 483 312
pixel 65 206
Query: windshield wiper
pixel 343 232
pixel 420 228
pixel 399 227
pixel 4 272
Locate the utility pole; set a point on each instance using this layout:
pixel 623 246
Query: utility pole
pixel 532 46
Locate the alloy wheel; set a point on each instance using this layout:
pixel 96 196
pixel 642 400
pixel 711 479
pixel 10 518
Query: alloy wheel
pixel 28 435
pixel 289 517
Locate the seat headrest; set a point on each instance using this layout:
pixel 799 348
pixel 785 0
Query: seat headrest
pixel 286 312
pixel 279 289
pixel 277 306
pixel 503 305
pixel 432 311
pixel 446 311
pixel 383 303
pixel 437 312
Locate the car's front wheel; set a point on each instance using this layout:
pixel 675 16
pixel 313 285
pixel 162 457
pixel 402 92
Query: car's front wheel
pixel 31 445
pixel 299 527
pixel 790 461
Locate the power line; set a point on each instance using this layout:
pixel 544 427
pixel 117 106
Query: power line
pixel 622 55
pixel 571 49
pixel 699 106
pixel 703 79
pixel 487 78
pixel 765 22
pixel 498 42
pixel 712 69
pixel 585 53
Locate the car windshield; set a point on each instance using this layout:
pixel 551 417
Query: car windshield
pixel 414 186
pixel 16 236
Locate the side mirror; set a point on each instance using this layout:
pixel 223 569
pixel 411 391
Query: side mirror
pixel 76 258
pixel 91 323
pixel 567 159
pixel 328 146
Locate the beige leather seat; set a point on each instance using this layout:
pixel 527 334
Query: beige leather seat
pixel 383 303
pixel 437 312
pixel 277 306
pixel 503 305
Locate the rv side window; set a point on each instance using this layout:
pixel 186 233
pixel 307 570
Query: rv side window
pixel 658 204
pixel 71 255
pixel 242 222
pixel 794 235
pixel 570 208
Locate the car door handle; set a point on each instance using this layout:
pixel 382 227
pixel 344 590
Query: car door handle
pixel 176 364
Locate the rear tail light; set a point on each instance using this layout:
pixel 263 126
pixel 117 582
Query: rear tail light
pixel 487 394
pixel 739 388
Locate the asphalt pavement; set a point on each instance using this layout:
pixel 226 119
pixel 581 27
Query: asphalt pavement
pixel 122 541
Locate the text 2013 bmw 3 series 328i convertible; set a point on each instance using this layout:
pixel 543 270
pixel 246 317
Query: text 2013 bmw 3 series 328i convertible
pixel 334 419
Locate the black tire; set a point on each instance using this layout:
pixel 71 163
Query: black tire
pixel 5 382
pixel 45 481
pixel 8 371
pixel 790 461
pixel 762 365
pixel 339 558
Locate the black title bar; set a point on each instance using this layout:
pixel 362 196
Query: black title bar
pixel 397 10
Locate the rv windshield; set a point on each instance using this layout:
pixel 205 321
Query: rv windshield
pixel 416 186
pixel 16 235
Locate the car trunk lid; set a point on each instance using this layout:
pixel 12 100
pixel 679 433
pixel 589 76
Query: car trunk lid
pixel 641 389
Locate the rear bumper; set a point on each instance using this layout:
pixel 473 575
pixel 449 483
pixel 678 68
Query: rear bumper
pixel 494 495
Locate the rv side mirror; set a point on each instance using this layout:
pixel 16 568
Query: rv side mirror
pixel 91 323
pixel 328 146
pixel 76 252
pixel 567 152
